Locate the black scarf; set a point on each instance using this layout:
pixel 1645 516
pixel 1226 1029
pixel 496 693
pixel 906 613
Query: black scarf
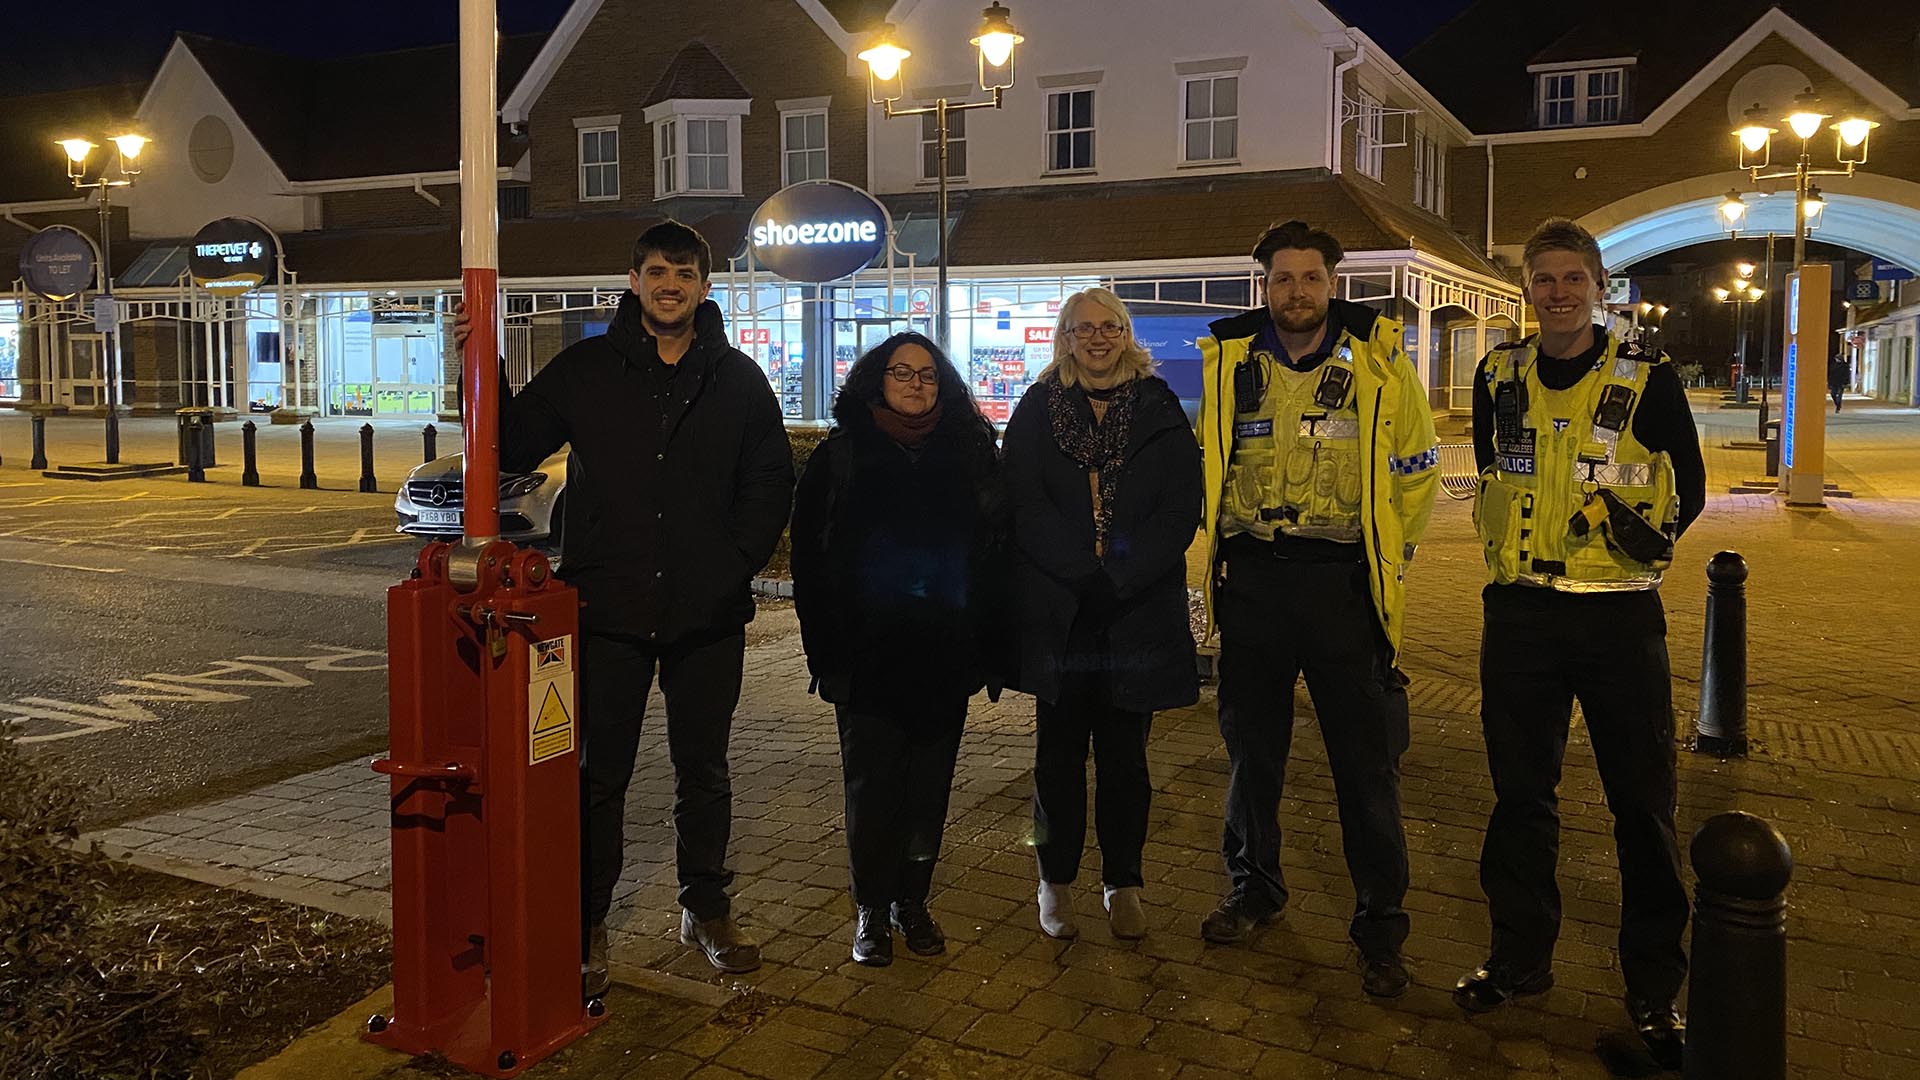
pixel 1098 447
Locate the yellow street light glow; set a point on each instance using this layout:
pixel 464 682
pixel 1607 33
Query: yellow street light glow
pixel 1756 292
pixel 130 145
pixel 1806 117
pixel 1720 294
pixel 77 149
pixel 1733 208
pixel 1646 307
pixel 997 36
pixel 883 59
pixel 1663 311
pixel 1813 205
pixel 1753 136
pixel 1745 269
pixel 1853 130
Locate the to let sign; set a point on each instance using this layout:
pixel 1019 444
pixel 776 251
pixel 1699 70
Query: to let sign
pixel 57 262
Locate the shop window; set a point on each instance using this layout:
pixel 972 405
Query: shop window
pixel 599 163
pixel 1070 131
pixel 1369 152
pixel 1211 124
pixel 956 146
pixel 803 146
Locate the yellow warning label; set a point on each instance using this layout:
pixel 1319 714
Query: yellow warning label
pixel 549 718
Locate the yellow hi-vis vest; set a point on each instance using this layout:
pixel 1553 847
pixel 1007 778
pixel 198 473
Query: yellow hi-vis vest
pixel 1554 450
pixel 1295 467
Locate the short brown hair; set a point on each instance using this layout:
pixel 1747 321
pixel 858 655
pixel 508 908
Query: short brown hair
pixel 1564 234
pixel 680 244
pixel 1300 236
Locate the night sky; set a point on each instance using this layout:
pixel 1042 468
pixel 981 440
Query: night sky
pixel 54 46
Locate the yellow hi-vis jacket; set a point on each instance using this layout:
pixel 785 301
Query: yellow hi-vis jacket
pixel 1398 449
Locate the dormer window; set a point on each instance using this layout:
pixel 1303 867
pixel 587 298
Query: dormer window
pixel 1580 96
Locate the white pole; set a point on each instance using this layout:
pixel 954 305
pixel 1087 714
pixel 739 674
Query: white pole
pixel 480 268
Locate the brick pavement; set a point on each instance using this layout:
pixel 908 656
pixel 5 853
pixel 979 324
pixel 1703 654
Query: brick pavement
pixel 1833 699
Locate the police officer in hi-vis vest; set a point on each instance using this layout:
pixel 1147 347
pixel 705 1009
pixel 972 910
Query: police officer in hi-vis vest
pixel 1320 476
pixel 1590 467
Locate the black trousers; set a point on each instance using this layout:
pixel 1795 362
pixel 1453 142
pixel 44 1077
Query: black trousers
pixel 1280 618
pixel 899 773
pixel 1122 790
pixel 1539 651
pixel 701 683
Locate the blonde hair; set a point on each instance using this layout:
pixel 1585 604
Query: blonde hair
pixel 1135 361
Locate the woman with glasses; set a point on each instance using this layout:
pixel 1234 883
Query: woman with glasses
pixel 895 539
pixel 1103 475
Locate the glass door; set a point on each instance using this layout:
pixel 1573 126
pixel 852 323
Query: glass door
pixel 80 381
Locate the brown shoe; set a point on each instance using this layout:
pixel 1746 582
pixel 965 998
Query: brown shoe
pixel 727 948
pixel 593 973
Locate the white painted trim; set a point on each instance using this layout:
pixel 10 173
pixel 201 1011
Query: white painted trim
pixel 612 121
pixel 394 180
pixel 804 104
pixel 1774 21
pixel 1399 76
pixel 802 108
pixel 1582 65
pixel 704 107
pixel 1210 67
pixel 1078 80
pixel 842 38
pixel 546 64
pixel 580 165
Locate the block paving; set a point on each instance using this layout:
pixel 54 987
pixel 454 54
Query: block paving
pixel 1833 689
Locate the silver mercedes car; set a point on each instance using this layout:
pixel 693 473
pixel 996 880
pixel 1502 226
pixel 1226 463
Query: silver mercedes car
pixel 431 502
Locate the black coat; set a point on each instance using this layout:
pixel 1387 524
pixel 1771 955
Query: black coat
pixel 1156 512
pixel 676 490
pixel 897 562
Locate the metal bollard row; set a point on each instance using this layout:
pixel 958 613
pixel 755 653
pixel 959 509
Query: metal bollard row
pixel 1722 724
pixel 367 482
pixel 1737 988
pixel 308 481
pixel 39 460
pixel 249 471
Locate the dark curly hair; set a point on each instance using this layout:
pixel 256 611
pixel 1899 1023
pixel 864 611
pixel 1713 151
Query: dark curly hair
pixel 864 379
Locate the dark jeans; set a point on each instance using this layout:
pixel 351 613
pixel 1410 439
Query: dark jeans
pixel 1539 651
pixel 1122 789
pixel 701 683
pixel 899 773
pixel 1279 618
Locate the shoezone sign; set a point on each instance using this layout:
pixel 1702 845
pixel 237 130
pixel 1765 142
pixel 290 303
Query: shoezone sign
pixel 43 719
pixel 818 231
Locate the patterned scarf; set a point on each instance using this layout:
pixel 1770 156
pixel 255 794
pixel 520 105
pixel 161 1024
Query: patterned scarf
pixel 1099 448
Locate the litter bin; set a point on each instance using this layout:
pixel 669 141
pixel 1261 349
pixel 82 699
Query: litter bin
pixel 1773 448
pixel 200 421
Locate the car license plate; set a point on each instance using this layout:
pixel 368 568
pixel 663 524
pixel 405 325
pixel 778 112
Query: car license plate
pixel 439 517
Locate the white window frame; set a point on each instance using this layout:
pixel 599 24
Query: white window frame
pixel 1212 119
pixel 1429 172
pixel 1369 132
pixel 669 120
pixel 1582 98
pixel 596 125
pixel 1050 132
pixel 801 109
pixel 932 141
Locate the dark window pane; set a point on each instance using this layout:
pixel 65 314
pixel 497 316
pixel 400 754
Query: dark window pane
pixel 1199 99
pixel 1083 149
pixel 1226 96
pixel 956 158
pixel 1083 109
pixel 1226 139
pixel 1056 112
pixel 1199 141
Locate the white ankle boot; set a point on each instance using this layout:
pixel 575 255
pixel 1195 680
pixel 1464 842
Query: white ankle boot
pixel 1128 921
pixel 1056 910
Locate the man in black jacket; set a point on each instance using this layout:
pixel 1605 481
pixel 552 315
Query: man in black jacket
pixel 678 485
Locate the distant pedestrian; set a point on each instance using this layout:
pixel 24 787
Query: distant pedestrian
pixel 1104 475
pixel 897 579
pixel 1839 378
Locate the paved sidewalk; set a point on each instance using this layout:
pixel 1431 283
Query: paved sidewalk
pixel 1834 691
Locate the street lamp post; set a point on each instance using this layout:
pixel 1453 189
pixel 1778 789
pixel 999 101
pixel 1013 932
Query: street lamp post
pixel 1741 293
pixel 886 84
pixel 127 150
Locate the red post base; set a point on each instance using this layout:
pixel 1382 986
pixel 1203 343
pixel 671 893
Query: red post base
pixel 484 745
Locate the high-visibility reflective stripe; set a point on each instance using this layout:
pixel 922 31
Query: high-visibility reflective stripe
pixel 1420 462
pixel 1616 474
pixel 1336 427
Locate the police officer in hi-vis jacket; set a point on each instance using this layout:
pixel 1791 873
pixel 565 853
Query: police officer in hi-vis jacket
pixel 1590 467
pixel 1320 476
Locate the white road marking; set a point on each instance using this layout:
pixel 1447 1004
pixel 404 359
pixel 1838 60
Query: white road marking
pixel 69 566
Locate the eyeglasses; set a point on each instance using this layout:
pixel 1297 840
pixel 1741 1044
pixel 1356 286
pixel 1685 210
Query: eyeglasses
pixel 927 376
pixel 1083 331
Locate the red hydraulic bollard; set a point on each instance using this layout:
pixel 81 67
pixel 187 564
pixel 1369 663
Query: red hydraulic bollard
pixel 484 745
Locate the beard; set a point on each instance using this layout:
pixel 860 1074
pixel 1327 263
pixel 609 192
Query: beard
pixel 1295 320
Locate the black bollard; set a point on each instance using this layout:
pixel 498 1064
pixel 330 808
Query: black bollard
pixel 307 480
pixel 1722 725
pixel 196 450
pixel 430 443
pixel 249 455
pixel 113 435
pixel 366 459
pixel 207 457
pixel 39 460
pixel 1737 992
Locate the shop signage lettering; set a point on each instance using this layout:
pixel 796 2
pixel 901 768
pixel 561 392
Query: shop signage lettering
pixel 57 262
pixel 232 255
pixel 818 231
pixel 751 336
pixel 1039 335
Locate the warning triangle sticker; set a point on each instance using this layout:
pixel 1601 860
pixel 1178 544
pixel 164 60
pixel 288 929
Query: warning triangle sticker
pixel 553 713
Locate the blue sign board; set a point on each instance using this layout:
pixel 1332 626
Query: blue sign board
pixel 1886 271
pixel 1174 342
pixel 57 262
pixel 1863 290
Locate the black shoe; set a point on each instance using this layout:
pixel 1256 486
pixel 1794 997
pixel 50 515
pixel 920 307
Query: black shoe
pixel 1384 975
pixel 923 935
pixel 727 946
pixel 593 971
pixel 1489 987
pixel 1660 1026
pixel 873 938
pixel 1236 917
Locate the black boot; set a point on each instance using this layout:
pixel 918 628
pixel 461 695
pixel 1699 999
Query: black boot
pixel 872 938
pixel 923 935
pixel 1492 986
pixel 1661 1028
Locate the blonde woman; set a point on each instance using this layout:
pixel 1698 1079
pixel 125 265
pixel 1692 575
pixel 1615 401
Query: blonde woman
pixel 1103 474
